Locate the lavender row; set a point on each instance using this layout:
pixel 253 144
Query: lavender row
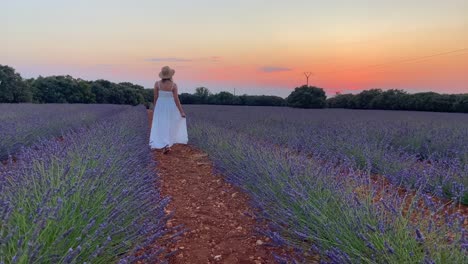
pixel 23 124
pixel 412 149
pixel 321 208
pixel 91 198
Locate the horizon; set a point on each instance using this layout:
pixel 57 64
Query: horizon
pixel 418 47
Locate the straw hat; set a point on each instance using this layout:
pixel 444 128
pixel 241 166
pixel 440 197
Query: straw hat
pixel 166 72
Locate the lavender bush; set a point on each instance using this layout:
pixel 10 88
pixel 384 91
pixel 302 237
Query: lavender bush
pixel 24 124
pixel 319 206
pixel 91 198
pixel 412 149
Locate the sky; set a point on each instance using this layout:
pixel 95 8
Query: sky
pixel 252 47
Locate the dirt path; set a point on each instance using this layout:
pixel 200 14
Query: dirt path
pixel 214 212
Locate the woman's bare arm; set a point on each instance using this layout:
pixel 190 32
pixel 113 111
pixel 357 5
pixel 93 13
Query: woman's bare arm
pixel 177 101
pixel 156 93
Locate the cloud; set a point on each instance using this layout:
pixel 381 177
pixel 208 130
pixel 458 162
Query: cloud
pixel 176 59
pixel 274 69
pixel 168 59
pixel 215 58
pixel 104 65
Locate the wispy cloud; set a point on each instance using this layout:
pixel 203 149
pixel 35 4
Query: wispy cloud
pixel 215 58
pixel 274 69
pixel 104 65
pixel 178 59
pixel 168 59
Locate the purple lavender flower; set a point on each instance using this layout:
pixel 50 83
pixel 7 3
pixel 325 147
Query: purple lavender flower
pixel 419 236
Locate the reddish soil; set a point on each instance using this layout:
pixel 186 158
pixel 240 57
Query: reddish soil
pixel 384 187
pixel 216 213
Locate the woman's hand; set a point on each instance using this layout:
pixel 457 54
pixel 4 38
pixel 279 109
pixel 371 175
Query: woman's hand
pixel 182 114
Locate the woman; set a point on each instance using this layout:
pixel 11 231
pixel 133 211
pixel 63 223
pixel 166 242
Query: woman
pixel 169 124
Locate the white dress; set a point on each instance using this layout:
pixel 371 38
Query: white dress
pixel 168 126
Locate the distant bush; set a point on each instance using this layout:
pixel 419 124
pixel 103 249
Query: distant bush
pixel 307 97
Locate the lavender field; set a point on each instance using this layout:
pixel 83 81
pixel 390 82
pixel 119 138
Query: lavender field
pixel 78 182
pixel 421 150
pixel 310 173
pixel 24 124
pixel 87 198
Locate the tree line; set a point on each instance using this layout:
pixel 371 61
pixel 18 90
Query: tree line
pixel 313 97
pixel 400 100
pixel 66 89
pixel 203 96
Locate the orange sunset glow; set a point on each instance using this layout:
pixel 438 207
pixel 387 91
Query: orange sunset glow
pixel 255 47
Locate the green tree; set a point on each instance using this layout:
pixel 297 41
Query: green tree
pixel 307 97
pixel 132 94
pixel 224 98
pixel 148 97
pixel 202 94
pixel 131 86
pixel 102 91
pixel 341 101
pixel 261 100
pixel 461 103
pixel 364 99
pixel 62 89
pixel 186 98
pixel 392 99
pixel 422 101
pixel 444 102
pixel 13 89
pixel 87 95
pixel 48 90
